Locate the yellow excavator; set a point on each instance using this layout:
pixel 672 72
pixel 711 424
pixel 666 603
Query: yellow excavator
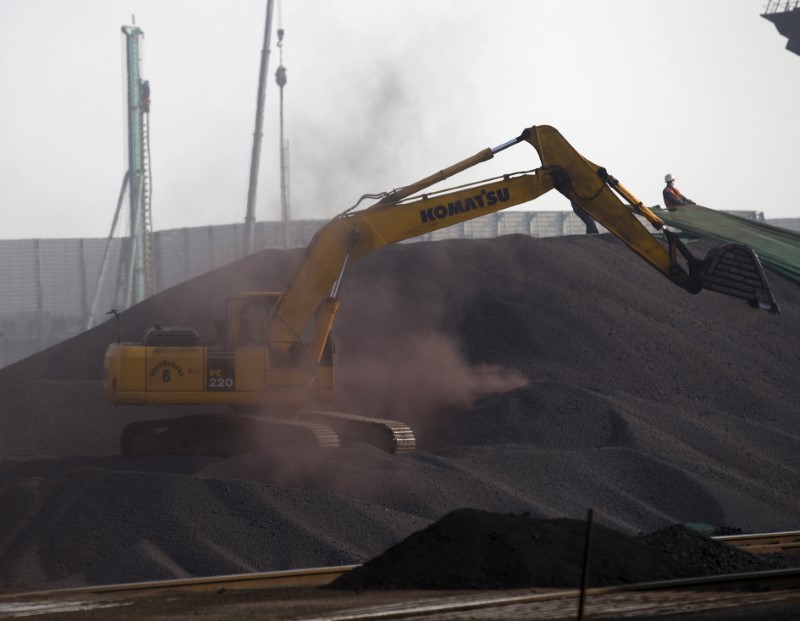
pixel 274 366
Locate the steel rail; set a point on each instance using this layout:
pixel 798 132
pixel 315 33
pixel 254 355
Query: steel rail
pixel 303 578
pixel 731 592
pixel 564 605
pixel 787 542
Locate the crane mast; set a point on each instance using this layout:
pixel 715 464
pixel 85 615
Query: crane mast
pixel 286 216
pixel 140 260
pixel 255 158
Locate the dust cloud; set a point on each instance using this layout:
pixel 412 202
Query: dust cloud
pixel 422 375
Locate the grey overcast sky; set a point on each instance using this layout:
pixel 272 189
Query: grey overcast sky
pixel 382 93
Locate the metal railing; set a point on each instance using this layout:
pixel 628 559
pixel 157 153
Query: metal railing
pixel 781 6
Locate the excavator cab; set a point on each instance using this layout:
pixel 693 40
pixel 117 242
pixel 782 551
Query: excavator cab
pixel 245 318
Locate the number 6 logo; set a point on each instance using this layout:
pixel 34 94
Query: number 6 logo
pixel 166 376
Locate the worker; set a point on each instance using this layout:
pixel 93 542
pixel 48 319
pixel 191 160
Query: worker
pixel 672 195
pixel 591 226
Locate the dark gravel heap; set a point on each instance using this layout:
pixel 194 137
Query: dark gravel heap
pixel 473 549
pixel 546 376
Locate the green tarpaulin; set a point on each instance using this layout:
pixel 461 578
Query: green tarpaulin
pixel 776 247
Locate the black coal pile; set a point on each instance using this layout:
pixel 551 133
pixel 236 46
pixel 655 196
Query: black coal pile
pixel 472 549
pixel 546 376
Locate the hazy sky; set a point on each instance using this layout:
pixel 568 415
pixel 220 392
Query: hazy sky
pixel 383 92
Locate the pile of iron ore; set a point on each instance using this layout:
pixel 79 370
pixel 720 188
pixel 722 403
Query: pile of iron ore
pixel 474 549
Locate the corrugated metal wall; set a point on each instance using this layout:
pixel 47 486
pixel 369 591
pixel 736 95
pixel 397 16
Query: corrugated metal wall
pixel 47 285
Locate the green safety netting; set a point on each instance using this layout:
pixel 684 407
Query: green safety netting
pixel 776 247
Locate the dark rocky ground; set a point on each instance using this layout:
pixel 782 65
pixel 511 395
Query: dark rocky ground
pixel 473 549
pixel 541 376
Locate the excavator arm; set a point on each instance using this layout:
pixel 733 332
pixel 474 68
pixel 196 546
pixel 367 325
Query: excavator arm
pixel 398 215
pixel 733 269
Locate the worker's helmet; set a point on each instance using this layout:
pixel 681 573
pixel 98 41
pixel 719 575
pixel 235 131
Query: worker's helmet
pixel 669 178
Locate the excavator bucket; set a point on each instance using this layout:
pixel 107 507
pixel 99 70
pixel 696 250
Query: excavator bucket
pixel 735 270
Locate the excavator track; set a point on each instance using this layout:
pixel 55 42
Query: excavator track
pixel 390 436
pixel 221 435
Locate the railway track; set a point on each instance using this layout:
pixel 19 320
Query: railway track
pixel 718 593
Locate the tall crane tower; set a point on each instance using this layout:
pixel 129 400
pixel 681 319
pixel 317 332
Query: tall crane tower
pixel 280 77
pixel 140 257
pixel 137 280
pixel 255 157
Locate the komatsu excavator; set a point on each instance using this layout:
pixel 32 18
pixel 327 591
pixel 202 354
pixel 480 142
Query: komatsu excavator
pixel 275 366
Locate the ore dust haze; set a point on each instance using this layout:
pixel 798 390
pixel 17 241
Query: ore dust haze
pixel 425 374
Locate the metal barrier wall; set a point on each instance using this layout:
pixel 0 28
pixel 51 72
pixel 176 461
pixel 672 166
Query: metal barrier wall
pixel 47 285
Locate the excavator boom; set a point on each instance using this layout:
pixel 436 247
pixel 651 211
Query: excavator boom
pixel 397 217
pixel 351 235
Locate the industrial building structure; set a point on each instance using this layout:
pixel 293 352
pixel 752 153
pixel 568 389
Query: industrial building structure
pixel 785 14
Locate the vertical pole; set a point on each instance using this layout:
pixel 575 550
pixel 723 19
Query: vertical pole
pixel 147 277
pixel 587 557
pixel 83 282
pixel 280 78
pixel 255 157
pixel 40 296
pixel 136 281
pixel 186 240
pixel 106 254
